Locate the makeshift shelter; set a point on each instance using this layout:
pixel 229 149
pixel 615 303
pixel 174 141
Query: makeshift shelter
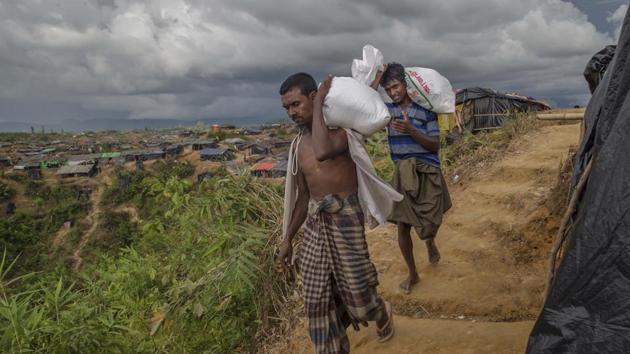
pixel 262 169
pixel 143 155
pixel 217 154
pixel 588 302
pixel 235 141
pixel 259 149
pixel 47 151
pixel 236 168
pixel 28 165
pixel 480 108
pixel 5 162
pixel 280 169
pixel 278 143
pixel 252 131
pixel 88 170
pixel 254 158
pixel 174 150
pixel 203 144
pixel 238 143
pixel 83 159
pixel 35 173
pixel 112 157
pixel 32 168
pixel 50 163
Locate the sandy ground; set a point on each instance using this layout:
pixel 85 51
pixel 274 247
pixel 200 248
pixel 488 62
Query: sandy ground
pixel 485 293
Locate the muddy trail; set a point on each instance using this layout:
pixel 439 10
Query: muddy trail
pixel 92 219
pixel 485 293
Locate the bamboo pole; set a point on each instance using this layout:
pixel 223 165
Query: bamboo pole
pixel 560 116
pixel 561 235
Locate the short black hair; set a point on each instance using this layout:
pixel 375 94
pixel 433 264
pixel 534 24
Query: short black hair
pixel 303 81
pixel 394 71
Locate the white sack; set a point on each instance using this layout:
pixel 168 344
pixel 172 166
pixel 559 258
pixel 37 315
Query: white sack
pixel 364 70
pixel 429 89
pixel 353 105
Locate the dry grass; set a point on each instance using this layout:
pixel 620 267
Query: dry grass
pixel 473 151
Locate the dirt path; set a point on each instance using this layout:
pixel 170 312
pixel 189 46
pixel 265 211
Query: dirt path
pixel 133 212
pixel 60 237
pixel 92 220
pixel 485 293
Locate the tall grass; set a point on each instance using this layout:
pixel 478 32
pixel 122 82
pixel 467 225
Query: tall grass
pixel 474 150
pixel 198 277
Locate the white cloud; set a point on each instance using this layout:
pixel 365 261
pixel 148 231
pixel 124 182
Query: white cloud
pixel 616 19
pixel 199 58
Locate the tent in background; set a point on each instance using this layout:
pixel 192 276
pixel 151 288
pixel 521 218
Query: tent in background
pixel 480 108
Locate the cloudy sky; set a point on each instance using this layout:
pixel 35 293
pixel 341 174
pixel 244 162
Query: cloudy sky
pixel 192 59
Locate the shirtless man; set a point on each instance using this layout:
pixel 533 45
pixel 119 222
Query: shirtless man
pixel 338 277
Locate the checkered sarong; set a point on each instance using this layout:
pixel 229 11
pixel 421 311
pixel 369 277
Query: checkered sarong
pixel 339 280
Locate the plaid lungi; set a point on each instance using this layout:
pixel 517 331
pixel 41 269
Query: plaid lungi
pixel 338 278
pixel 426 197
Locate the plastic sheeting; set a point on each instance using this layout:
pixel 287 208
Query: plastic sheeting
pixel 596 67
pixel 588 307
pixel 488 108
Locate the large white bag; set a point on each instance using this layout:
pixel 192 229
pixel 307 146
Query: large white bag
pixel 353 105
pixel 364 70
pixel 429 89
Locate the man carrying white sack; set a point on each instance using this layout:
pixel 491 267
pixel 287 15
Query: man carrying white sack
pixel 414 141
pixel 332 185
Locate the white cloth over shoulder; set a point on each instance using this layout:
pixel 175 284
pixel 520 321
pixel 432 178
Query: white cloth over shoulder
pixel 375 195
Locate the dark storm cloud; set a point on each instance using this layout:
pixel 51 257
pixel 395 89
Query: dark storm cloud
pixel 197 59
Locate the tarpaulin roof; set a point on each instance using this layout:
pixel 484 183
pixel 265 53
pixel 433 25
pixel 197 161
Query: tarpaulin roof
pixel 281 166
pixel 472 93
pixel 588 306
pixel 487 109
pixel 263 166
pixel 213 151
pixel 70 170
pixel 108 155
pixel 83 157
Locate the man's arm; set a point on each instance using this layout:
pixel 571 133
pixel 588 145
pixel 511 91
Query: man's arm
pixel 327 144
pixel 431 143
pixel 298 216
pixel 378 77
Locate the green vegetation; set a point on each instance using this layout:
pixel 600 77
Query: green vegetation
pixel 6 192
pixel 196 275
pixel 116 231
pixel 168 169
pixel 126 187
pixel 221 135
pixel 26 232
pixel 379 151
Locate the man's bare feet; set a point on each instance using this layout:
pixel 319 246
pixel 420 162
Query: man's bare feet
pixel 411 280
pixel 434 253
pixel 385 329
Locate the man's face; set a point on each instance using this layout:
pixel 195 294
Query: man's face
pixel 299 107
pixel 396 90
